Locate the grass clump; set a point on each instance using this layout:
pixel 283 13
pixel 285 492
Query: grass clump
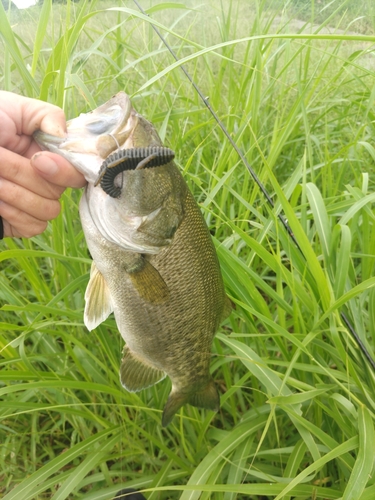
pixel 297 414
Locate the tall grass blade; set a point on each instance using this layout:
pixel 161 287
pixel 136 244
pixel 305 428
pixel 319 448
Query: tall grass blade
pixel 364 464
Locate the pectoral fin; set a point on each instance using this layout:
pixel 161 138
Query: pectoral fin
pixel 149 283
pixel 135 374
pixel 98 300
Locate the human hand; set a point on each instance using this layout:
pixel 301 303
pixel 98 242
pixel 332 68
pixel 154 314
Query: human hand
pixel 31 181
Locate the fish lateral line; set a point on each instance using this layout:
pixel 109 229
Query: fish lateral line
pixel 130 159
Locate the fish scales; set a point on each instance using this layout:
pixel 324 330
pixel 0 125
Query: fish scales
pixel 154 264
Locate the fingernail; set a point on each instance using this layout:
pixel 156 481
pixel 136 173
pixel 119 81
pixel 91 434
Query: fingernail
pixel 44 164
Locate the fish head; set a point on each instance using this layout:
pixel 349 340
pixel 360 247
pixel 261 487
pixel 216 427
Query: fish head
pixel 149 207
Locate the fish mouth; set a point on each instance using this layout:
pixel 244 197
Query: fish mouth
pixel 93 136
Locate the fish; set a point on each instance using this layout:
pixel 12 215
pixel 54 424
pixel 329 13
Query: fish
pixel 154 263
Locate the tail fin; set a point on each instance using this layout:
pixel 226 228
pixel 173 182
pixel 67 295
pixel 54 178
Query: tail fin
pixel 207 397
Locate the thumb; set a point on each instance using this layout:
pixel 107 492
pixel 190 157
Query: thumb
pixel 57 170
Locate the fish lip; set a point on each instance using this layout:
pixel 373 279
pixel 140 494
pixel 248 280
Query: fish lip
pixel 48 141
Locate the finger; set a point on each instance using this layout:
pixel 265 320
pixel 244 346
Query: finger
pixel 22 116
pixel 18 224
pixel 28 202
pixel 18 170
pixel 51 120
pixel 39 115
pixel 57 170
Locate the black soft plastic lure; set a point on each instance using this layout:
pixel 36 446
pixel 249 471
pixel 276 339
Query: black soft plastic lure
pixel 130 159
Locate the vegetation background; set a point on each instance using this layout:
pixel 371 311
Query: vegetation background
pixel 293 82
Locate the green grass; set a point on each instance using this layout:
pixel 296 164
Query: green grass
pixel 298 398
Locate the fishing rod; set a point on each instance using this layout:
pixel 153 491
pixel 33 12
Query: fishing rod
pixel 282 219
pixel 225 131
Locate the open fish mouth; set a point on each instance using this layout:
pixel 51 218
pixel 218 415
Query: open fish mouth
pixel 100 131
pixel 93 136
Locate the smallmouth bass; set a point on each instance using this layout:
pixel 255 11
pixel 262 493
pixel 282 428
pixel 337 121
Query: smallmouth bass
pixel 154 263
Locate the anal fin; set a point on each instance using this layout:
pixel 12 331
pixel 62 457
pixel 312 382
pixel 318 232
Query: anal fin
pixel 135 374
